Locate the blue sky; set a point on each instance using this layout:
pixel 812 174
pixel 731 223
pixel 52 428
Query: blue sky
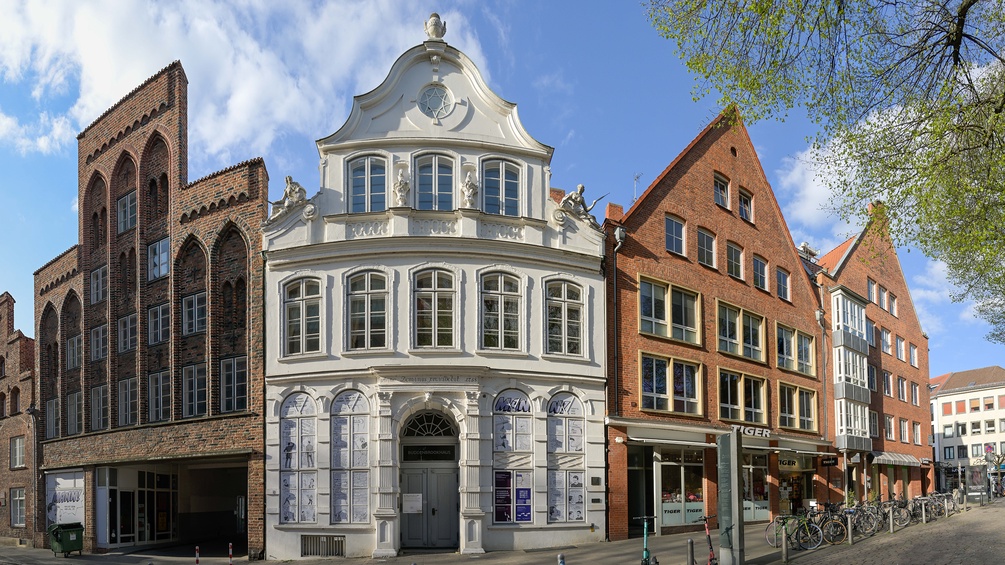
pixel 592 79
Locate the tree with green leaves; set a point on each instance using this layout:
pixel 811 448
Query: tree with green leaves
pixel 908 97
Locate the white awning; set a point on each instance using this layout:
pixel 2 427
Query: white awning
pixel 891 458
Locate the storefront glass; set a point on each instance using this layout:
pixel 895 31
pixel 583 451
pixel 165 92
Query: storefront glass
pixel 681 478
pixel 755 487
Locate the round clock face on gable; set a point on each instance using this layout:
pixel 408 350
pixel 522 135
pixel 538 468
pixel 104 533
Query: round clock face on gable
pixel 435 101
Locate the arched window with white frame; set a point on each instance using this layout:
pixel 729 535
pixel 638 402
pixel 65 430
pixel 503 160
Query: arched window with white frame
pixel 302 316
pixel 367 185
pixel 367 298
pixel 566 474
pixel 350 441
pixel 435 179
pixel 434 298
pixel 298 476
pixel 500 316
pixel 565 318
pixel 502 188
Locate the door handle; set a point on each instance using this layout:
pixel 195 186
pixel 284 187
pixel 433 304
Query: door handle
pixel 433 511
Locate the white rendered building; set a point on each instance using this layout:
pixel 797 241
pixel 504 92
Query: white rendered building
pixel 435 332
pixel 968 412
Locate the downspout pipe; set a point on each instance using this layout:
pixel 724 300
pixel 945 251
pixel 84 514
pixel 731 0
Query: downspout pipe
pixel 619 239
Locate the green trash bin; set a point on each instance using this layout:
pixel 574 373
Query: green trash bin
pixel 64 538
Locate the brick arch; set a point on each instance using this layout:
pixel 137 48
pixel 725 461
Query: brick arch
pixel 48 353
pixel 155 184
pixel 231 278
pixel 125 175
pixel 94 207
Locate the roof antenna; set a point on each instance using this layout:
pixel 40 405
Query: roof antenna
pixel 635 187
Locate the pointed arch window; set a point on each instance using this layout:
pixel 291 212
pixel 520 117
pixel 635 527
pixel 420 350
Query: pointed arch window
pixel 350 449
pixel 298 468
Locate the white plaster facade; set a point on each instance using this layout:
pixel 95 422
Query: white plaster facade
pixel 378 312
pixel 968 418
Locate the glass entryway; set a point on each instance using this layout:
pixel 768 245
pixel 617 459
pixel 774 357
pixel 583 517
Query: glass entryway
pixel 135 506
pixel 682 498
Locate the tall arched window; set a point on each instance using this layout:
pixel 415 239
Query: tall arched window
pixel 436 183
pixel 15 401
pixel 502 188
pixel 368 185
pixel 367 311
pixel 500 323
pixel 298 477
pixel 434 297
pixel 566 475
pixel 302 316
pixel 512 441
pixel 565 318
pixel 350 442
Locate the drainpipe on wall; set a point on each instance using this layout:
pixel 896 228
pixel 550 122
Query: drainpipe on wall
pixel 619 238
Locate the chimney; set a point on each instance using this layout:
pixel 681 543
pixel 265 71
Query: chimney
pixel 614 212
pixel 807 252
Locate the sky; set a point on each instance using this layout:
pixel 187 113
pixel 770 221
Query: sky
pixel 592 79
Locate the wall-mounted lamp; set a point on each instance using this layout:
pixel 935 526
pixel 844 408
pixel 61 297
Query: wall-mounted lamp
pixel 619 439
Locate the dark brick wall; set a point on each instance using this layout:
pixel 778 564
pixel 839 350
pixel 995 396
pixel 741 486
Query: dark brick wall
pixel 140 145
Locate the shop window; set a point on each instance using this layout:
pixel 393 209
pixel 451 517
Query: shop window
pixel 350 436
pixel 297 465
pixel 681 478
pixel 512 440
pixel 566 475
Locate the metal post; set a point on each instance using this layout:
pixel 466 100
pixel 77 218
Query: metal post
pixel 230 553
pixel 690 550
pixel 785 543
pixel 561 559
pixel 197 555
pixel 891 519
pixel 924 515
pixel 848 517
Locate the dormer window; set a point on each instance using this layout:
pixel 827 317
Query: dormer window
pixel 367 185
pixel 502 188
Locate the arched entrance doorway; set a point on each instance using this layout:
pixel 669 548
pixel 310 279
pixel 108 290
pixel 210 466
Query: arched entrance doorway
pixel 429 480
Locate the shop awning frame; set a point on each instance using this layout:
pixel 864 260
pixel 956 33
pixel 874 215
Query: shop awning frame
pixel 893 458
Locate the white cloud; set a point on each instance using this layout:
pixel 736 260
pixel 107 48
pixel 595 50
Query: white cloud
pixel 75 205
pixel 551 83
pixel 805 190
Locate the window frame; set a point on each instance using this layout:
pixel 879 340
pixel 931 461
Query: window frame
pixel 159 323
pixel 234 384
pixel 885 341
pixel 128 413
pixel 512 411
pixel 363 189
pixel 308 341
pixel 99 342
pixel 796 403
pixel 915 394
pixel 900 348
pixel 675 234
pixel 52 427
pixel 159 259
pixel 75 413
pixel 194 310
pixel 369 324
pixel 782 279
pixel 913 356
pixel 746 202
pixel 509 305
pixel 741 408
pixel 350 457
pixel 74 355
pixel 99 284
pixel 433 295
pixel 128 332
pixel 125 212
pixel 563 327
pixel 650 305
pixel 159 396
pixel 688 402
pixel 435 192
pixel 195 394
pixel 734 260
pixel 890 432
pixel 18 507
pixel 17 454
pixel 706 253
pixel 760 274
pixel 720 190
pixel 500 192
pixel 100 417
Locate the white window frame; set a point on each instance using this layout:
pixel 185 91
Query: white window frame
pixel 99 342
pixel 432 184
pixel 129 402
pixel 885 341
pixel 902 389
pixel 566 475
pixel 900 348
pixel 870 332
pixel 350 458
pixel 127 334
pixel 852 418
pixel 367 314
pixel 17 460
pixel 158 259
pixel 99 284
pixel 73 353
pixel 234 384
pixel 125 208
pixel 195 395
pixel 565 317
pixel 871 286
pixel 74 413
pixel 159 324
pixel 513 432
pixel 746 210
pixel 890 433
pixel 159 396
pixel 914 355
pixel 426 301
pixel 302 316
pixel 849 316
pixel 904 438
pixel 298 467
pixel 706 248
pixel 782 284
pixel 734 260
pixel 676 235
pixel 501 311
pixel 760 273
pixel 193 313
pixel 99 407
pixel 51 418
pixel 368 192
pixel 720 190
pixel 873 423
pixel 893 304
pixel 500 190
pixel 915 394
pixel 18 505
pixel 850 367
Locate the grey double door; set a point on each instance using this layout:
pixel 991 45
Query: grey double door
pixel 434 522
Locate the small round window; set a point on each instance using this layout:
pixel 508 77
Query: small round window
pixel 435 101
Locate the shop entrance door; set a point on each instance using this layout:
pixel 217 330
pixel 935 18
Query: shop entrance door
pixel 430 497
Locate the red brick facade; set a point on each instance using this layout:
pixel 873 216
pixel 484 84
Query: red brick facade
pixel 685 193
pixel 870 256
pixel 202 275
pixel 17 448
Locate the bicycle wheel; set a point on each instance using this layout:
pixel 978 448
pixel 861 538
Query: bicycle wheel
pixel 834 531
pixel 774 533
pixel 901 517
pixel 809 535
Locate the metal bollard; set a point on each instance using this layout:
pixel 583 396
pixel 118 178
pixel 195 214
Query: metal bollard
pixel 561 559
pixel 891 519
pixel 924 515
pixel 690 550
pixel 850 530
pixel 785 545
pixel 197 555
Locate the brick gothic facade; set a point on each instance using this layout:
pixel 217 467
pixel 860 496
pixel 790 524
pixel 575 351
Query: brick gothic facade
pixel 149 338
pixel 17 450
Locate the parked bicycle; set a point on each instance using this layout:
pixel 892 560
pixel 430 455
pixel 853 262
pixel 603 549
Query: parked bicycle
pixel 797 531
